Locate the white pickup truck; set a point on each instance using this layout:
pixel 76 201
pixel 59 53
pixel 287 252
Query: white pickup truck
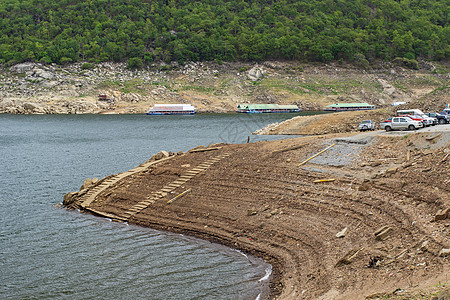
pixel 401 123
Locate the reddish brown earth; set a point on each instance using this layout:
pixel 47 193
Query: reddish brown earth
pixel 260 201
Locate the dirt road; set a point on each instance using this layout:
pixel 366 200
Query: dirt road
pixel 362 219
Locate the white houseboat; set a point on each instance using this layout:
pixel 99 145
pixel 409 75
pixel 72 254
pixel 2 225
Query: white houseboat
pixel 171 109
pixel 266 108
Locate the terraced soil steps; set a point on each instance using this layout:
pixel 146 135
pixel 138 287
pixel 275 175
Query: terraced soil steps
pixel 90 196
pixel 172 186
pixel 192 172
pixel 181 181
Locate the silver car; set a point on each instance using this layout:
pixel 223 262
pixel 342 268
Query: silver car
pixel 402 123
pixel 366 125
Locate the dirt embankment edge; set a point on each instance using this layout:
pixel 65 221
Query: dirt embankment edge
pixel 387 192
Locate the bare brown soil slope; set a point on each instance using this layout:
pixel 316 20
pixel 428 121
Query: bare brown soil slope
pixel 325 123
pixel 380 193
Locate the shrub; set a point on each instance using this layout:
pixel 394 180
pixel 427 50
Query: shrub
pixel 409 56
pixel 407 63
pixel 243 69
pixel 166 68
pixel 65 60
pixel 87 66
pixel 46 60
pixel 361 61
pixel 134 63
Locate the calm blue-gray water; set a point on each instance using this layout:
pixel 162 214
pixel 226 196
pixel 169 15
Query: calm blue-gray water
pixel 52 253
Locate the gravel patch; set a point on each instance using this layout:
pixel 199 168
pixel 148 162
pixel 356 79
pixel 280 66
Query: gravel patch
pixel 345 150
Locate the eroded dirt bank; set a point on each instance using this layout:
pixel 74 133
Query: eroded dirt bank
pixel 361 220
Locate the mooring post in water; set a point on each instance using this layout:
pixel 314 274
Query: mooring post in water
pixel 248 139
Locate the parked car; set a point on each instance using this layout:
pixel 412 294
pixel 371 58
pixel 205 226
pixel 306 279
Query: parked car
pixel 441 119
pixel 417 112
pixel 402 123
pixel 385 122
pixel 434 118
pixel 366 125
pixel 415 118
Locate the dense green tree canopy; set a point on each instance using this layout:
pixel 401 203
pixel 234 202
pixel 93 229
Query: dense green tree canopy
pixel 141 31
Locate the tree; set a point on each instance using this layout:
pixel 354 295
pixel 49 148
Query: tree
pixel 321 30
pixel 134 63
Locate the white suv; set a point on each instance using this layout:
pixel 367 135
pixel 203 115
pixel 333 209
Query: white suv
pixel 417 112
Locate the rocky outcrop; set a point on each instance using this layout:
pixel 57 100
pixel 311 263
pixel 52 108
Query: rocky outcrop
pixel 256 73
pixel 62 107
pixel 161 155
pixel 33 108
pixel 70 198
pixel 22 68
pixel 392 93
pixel 88 183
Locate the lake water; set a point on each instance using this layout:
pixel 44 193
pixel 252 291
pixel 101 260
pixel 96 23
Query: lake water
pixel 52 253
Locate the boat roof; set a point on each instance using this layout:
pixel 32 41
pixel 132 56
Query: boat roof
pixel 172 107
pixel 266 106
pixel 350 105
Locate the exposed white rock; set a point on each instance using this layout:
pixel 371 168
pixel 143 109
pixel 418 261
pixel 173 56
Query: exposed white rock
pixel 256 73
pixel 22 68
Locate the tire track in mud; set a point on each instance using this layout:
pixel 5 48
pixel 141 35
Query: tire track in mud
pixel 305 242
pixel 312 201
pixel 393 216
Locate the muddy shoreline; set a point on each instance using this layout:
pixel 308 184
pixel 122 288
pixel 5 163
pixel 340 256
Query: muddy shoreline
pixel 255 198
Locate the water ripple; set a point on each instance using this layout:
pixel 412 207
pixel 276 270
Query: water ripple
pixel 51 253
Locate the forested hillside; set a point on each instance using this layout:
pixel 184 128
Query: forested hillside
pixel 143 31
